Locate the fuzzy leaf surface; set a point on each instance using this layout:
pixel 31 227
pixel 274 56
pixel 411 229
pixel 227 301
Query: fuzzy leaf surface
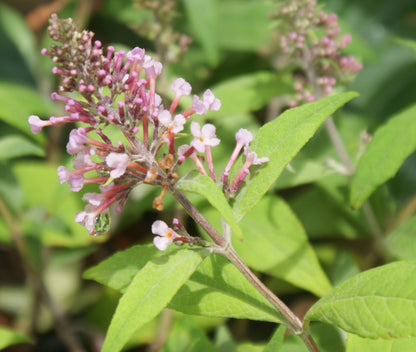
pixel 205 186
pixel 391 144
pixel 218 289
pixel 280 140
pixel 378 303
pixel 274 234
pixel 149 292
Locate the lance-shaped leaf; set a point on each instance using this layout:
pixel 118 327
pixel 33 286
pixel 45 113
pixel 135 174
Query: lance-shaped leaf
pixel 280 140
pixel 390 146
pixel 149 292
pixel 205 186
pixel 218 289
pixel 276 342
pixel 378 303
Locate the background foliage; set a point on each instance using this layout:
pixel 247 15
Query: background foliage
pixel 232 53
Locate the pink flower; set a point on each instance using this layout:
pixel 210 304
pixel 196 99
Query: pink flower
pixel 36 124
pixel 165 235
pixel 251 158
pixel 208 102
pixel 203 137
pixel 76 181
pixel 87 218
pixel 76 142
pixel 119 162
pixel 82 161
pixel 181 87
pixel 174 125
pixel 152 68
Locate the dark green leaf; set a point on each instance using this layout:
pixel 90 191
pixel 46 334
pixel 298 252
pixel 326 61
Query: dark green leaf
pixel 390 146
pixel 276 342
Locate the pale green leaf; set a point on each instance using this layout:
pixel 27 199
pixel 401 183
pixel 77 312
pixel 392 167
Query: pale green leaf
pixel 273 233
pixel 14 146
pixel 411 44
pixel 280 140
pixel 276 342
pixel 149 292
pixel 224 340
pixel 356 343
pixel 203 19
pixel 378 303
pixel 218 289
pixel 205 186
pixel 10 191
pixel 9 338
pixel 401 242
pixel 391 144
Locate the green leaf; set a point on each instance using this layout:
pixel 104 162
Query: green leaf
pixel 17 102
pixel 119 270
pixel 218 289
pixel 276 342
pixel 149 292
pixel 185 335
pixel 9 338
pixel 390 146
pixel 357 343
pixel 249 92
pixel 280 140
pixel 401 242
pixel 224 339
pixel 273 233
pixel 203 19
pixel 205 186
pixel 378 303
pixel 233 19
pixel 15 27
pixel 14 146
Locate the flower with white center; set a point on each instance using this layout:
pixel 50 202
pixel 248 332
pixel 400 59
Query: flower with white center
pixel 174 125
pixel 119 162
pixel 203 137
pixel 165 235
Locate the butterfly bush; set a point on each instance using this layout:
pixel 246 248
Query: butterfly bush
pixel 312 40
pixel 104 89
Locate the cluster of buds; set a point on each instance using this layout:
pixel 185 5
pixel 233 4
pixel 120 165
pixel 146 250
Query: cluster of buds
pixel 118 90
pixel 312 39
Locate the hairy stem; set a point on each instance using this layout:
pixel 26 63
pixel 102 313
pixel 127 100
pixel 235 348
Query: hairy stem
pixel 288 318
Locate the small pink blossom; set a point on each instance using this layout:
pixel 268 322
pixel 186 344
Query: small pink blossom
pixel 119 162
pixel 82 161
pixel 165 235
pixel 76 181
pixel 174 125
pixel 181 87
pixel 137 54
pixel 208 102
pixel 203 137
pixel 76 141
pixel 36 124
pixel 87 218
pixel 251 157
pixel 152 68
pixel 243 136
pixel 95 199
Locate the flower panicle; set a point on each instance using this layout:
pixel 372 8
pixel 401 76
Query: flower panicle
pixel 118 90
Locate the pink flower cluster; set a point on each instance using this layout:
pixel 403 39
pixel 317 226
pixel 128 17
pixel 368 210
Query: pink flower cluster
pixel 312 38
pixel 118 90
